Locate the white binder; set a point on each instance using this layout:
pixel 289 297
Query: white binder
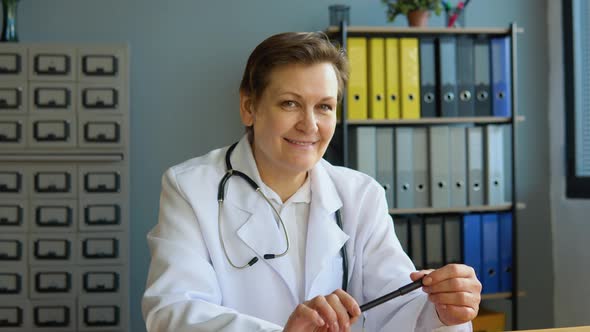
pixel 475 193
pixel 439 166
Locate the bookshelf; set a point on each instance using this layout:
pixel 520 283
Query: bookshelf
pixel 342 145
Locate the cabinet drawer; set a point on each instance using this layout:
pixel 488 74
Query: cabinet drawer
pixel 57 249
pixel 54 181
pixel 14 315
pixel 101 64
pixel 102 313
pixel 99 99
pixel 13 282
pixel 13 62
pixel 48 97
pixel 13 216
pixel 58 131
pixel 54 314
pixel 13 98
pixel 12 132
pixel 13 182
pixel 13 249
pixel 54 215
pixel 101 132
pixel 101 180
pixel 101 215
pixel 52 63
pixel 102 248
pixel 104 280
pixel 52 282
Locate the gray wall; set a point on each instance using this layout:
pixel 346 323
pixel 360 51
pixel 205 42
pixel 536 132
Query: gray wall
pixel 186 62
pixel 569 217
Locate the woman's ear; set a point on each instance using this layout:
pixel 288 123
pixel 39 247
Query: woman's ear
pixel 246 109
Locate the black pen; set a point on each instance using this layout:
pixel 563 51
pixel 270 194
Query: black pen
pixel 400 291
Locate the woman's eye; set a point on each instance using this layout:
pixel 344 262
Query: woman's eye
pixel 326 107
pixel 289 104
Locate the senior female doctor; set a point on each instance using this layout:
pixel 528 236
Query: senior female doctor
pixel 248 239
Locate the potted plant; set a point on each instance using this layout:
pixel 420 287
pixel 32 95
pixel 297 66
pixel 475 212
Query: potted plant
pixel 417 11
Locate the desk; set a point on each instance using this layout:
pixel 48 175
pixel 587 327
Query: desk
pixel 565 329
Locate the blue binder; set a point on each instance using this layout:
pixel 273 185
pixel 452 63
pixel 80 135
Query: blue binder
pixel 506 252
pixel 482 76
pixel 428 77
pixel 472 242
pixel 501 80
pixel 490 253
pixel 465 75
pixel 448 76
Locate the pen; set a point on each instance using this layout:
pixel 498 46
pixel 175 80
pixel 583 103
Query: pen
pixel 399 292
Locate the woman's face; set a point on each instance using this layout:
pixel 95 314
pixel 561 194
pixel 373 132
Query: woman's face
pixel 294 119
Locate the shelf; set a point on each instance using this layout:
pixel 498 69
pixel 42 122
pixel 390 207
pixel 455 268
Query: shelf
pixel 61 156
pixel 479 119
pixel 460 209
pixel 497 296
pixel 421 31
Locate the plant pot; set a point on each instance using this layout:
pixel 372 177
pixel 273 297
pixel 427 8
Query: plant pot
pixel 418 18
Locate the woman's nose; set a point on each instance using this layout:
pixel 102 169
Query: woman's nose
pixel 308 121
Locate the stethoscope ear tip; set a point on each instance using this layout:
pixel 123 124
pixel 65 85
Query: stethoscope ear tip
pixel 253 261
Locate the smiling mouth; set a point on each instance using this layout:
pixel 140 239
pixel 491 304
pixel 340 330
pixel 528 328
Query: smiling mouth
pixel 302 143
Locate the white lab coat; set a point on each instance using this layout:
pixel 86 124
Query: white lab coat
pixel 192 287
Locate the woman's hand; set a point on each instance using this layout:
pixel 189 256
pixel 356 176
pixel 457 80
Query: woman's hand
pixel 334 312
pixel 454 290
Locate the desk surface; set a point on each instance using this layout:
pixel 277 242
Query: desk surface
pixel 565 329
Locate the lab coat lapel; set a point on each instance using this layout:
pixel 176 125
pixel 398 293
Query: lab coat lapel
pixel 324 237
pixel 258 230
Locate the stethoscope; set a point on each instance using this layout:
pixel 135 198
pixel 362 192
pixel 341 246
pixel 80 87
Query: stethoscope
pixel 221 196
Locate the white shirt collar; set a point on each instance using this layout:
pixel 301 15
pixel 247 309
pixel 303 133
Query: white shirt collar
pixel 302 195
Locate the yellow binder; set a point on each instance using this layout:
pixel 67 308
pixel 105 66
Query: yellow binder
pixel 356 96
pixel 392 78
pixel 410 78
pixel 376 78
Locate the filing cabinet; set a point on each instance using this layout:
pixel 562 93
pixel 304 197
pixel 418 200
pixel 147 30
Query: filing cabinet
pixel 64 187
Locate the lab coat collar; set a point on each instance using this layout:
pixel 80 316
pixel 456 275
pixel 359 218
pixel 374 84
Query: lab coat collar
pixel 256 227
pixel 324 237
pixel 238 192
